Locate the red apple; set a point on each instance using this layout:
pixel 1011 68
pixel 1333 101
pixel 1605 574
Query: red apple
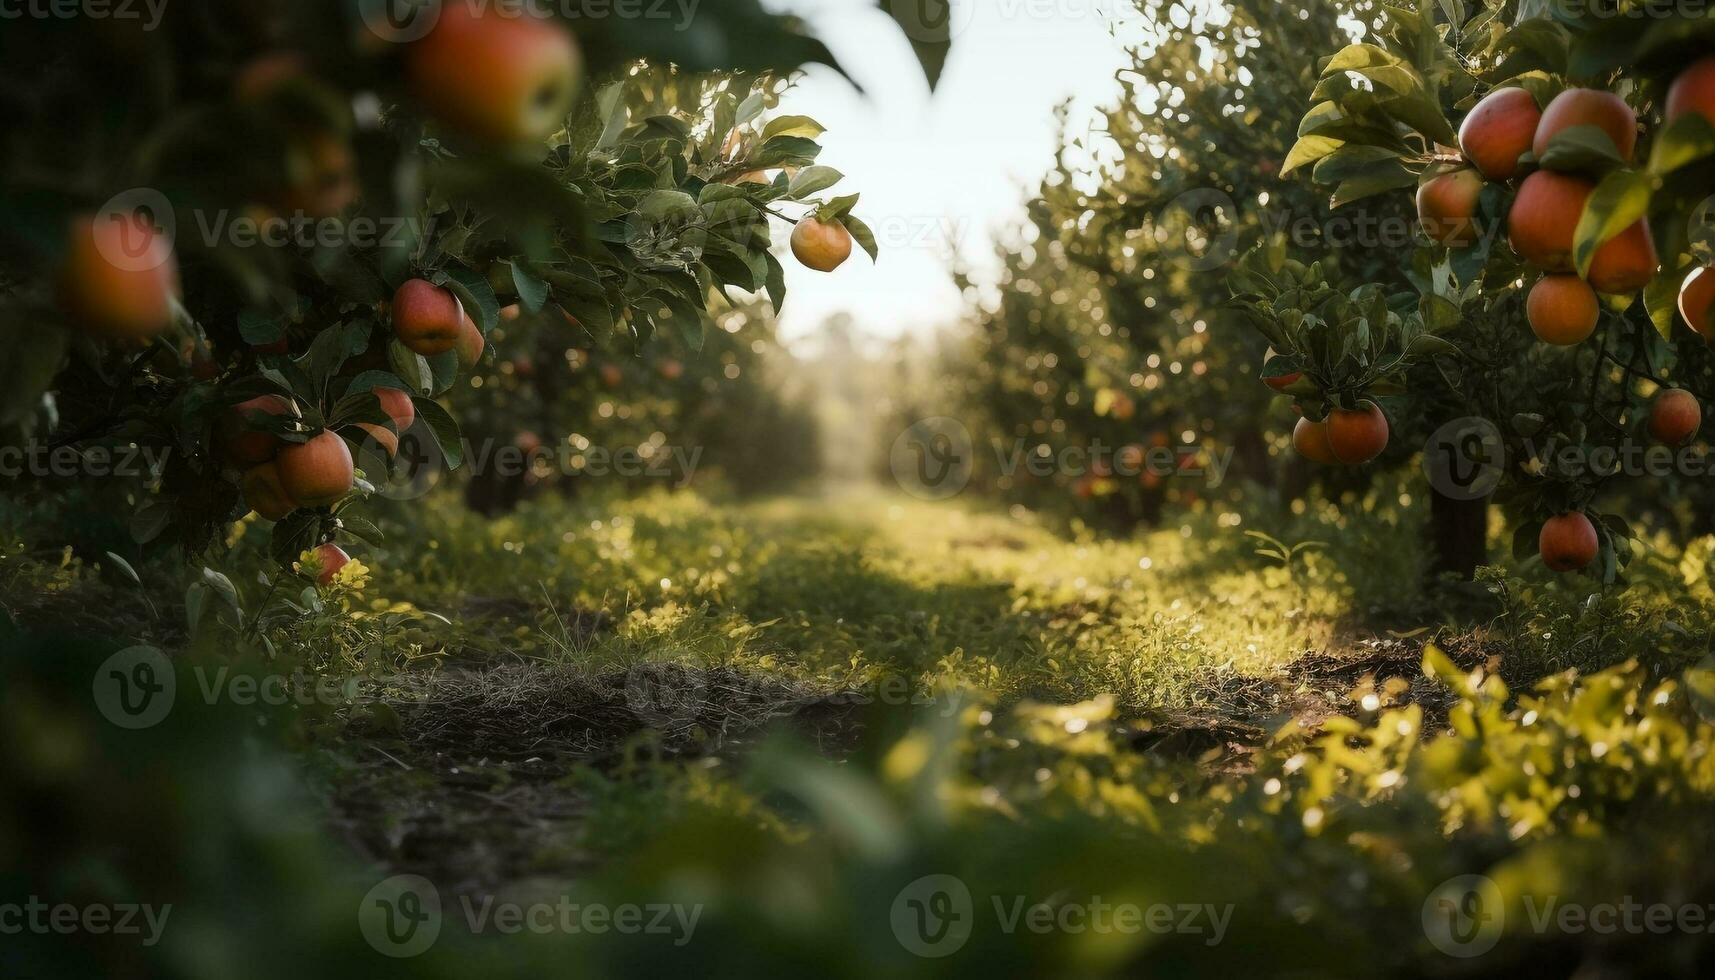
pixel 244 446
pixel 1589 107
pixel 1568 542
pixel 1499 130
pixel 319 472
pixel 265 495
pixel 1693 91
pixel 496 75
pixel 330 558
pixel 426 318
pixel 470 344
pixel 1447 207
pixel 118 277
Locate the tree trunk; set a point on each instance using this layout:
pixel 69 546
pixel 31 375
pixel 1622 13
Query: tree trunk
pixel 491 493
pixel 1459 534
pixel 1250 458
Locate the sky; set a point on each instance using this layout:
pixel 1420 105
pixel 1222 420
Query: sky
pixel 941 173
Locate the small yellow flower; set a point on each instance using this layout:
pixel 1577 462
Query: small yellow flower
pixel 352 578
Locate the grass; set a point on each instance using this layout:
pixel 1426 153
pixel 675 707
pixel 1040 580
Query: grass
pixel 870 591
pixel 860 587
pixel 610 660
pixel 792 709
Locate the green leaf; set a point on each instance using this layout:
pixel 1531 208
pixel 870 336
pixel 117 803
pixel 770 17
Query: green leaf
pixel 1582 150
pixel 591 311
pixel 444 369
pixel 687 318
pixel 445 430
pixel 475 292
pixel 1661 298
pixel 929 28
pixel 260 329
pixel 802 126
pixel 331 349
pixel 361 529
pixel 1389 175
pixel 359 407
pixel 1429 345
pixel 664 126
pixel 837 208
pixel 124 567
pixel 1699 683
pixel 150 520
pixel 1309 149
pixel 749 109
pixel 1617 203
pixel 1437 665
pixel 1689 139
pixel 730 269
pixel 1536 43
pixel 411 368
pixel 724 111
pixel 222 587
pixel 1379 65
pixel 862 234
pixel 370 380
pixel 787 151
pixel 294 536
pixel 1439 313
pixel 1415 110
pixel 1351 160
pixel 776 281
pixel 714 193
pixel 813 180
pixel 610 103
pixel 532 292
pixel 1323 119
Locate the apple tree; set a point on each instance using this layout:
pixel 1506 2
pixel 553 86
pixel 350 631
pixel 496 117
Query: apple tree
pixel 1553 333
pixel 265 240
pixel 1112 325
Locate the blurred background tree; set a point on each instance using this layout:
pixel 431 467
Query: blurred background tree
pixel 1109 324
